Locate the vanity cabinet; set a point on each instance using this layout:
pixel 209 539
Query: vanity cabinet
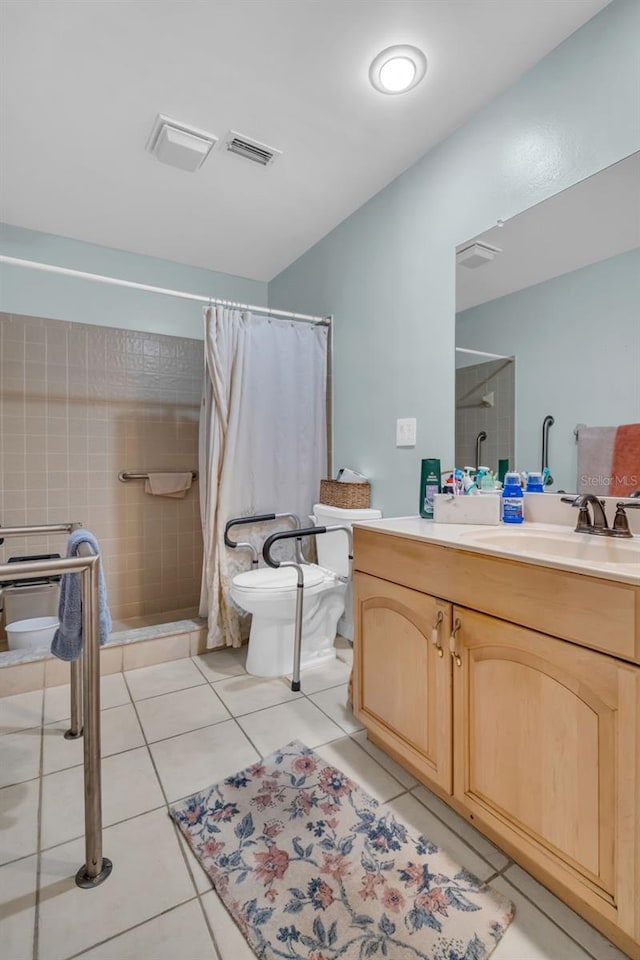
pixel 534 739
pixel 542 744
pixel 405 674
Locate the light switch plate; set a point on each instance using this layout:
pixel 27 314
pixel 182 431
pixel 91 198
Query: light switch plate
pixel 406 432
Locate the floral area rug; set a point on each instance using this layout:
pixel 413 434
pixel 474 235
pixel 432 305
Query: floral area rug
pixel 309 866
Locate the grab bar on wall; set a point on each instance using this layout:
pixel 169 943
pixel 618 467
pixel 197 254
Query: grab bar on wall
pixel 124 476
pixel 547 423
pixel 96 867
pixel 479 439
pixel 266 553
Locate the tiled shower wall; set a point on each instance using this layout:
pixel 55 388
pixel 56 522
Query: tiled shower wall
pixel 78 404
pixel 472 383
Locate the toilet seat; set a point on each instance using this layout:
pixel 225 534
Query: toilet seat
pixel 269 581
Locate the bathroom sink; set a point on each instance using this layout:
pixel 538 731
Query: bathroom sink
pixel 570 546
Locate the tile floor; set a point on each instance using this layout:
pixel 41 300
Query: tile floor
pixel 172 729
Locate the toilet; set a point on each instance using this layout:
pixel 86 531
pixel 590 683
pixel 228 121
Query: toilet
pixel 270 596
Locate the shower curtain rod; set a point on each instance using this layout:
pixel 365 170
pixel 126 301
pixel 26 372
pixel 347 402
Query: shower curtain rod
pixel 114 281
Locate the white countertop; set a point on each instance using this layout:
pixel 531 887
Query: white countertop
pixel 535 547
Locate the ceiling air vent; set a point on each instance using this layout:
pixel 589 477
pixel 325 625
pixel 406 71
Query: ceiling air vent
pixel 251 149
pixel 476 255
pixel 179 145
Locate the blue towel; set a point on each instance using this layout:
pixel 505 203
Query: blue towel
pixel 68 639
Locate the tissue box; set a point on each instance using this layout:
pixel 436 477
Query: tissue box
pixel 478 508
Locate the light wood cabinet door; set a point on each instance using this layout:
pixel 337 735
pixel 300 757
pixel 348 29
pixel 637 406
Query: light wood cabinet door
pixel 402 675
pixel 546 756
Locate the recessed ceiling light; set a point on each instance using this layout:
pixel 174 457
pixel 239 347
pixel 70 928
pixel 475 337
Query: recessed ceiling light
pixel 398 69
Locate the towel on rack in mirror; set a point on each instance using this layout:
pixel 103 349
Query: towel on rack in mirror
pixel 609 460
pixel 68 639
pixel 168 484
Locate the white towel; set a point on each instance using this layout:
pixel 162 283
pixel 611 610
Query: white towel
pixel 168 484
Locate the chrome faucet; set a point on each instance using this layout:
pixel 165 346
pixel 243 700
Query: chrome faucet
pixel 598 525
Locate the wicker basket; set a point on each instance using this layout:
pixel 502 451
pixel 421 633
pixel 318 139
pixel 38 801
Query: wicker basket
pixel 349 496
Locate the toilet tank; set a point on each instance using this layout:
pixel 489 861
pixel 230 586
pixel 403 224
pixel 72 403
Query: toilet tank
pixel 333 552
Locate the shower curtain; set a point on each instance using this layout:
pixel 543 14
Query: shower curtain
pixel 262 442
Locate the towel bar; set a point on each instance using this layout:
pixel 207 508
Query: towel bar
pixel 86 672
pixel 124 476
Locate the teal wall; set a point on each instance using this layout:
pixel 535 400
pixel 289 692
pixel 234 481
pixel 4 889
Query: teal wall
pixel 39 294
pixel 576 340
pixel 387 273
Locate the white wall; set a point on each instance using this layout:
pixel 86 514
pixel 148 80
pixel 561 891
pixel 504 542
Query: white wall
pixel 37 294
pixel 576 340
pixel 387 273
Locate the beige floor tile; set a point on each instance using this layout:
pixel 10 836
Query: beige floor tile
pixel 195 760
pixel 363 769
pixel 20 712
pixel 385 760
pixel 334 703
pixel 530 935
pixel 129 787
pixel 231 944
pixel 149 877
pixel 113 693
pixel 182 932
pixel 120 731
pixel 245 694
pixel 422 821
pixel 20 756
pixel 179 712
pixel 332 673
pixel 17 908
pixel 484 847
pixel 221 664
pixel 163 678
pixel 592 941
pixel 298 720
pixel 19 820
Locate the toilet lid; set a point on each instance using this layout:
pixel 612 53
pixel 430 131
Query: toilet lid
pixel 281 578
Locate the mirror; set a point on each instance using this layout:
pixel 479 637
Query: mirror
pixel 548 323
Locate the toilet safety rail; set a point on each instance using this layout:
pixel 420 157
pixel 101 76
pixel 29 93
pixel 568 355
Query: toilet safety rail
pixel 266 553
pixel 260 518
pixel 85 683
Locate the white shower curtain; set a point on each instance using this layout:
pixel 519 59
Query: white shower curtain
pixel 262 441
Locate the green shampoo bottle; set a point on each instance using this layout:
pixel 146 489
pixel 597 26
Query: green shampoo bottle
pixel 429 486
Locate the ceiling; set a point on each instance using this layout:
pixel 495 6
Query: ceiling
pixel 591 221
pixel 82 83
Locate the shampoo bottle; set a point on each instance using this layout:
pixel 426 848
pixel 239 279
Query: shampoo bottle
pixel 429 486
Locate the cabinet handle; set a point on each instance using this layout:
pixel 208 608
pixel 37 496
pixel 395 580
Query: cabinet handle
pixel 435 633
pixel 453 647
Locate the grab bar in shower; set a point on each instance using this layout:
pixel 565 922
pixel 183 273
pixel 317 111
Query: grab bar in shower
pixel 547 423
pixel 266 553
pixel 479 439
pixel 124 476
pixel 260 518
pixel 86 669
